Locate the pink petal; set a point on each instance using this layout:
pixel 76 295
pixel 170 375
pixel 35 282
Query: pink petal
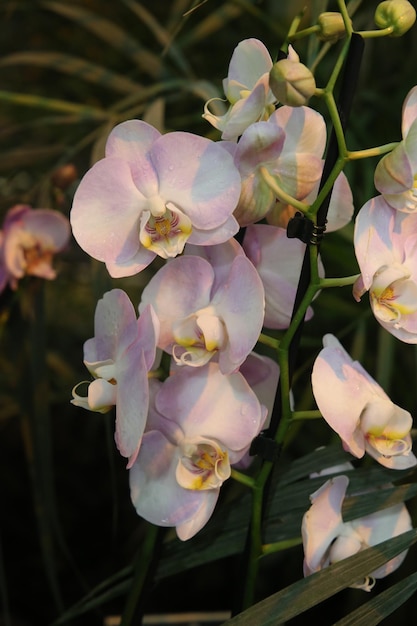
pixel 322 522
pixel 199 398
pixel 250 60
pixel 105 217
pixel 240 303
pixel 179 288
pixel 115 327
pixel 260 143
pixel 342 388
pixel 409 111
pixel 198 176
pixel 305 129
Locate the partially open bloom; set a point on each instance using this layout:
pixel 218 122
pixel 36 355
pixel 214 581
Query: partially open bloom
pixel 340 210
pixel 289 146
pixel 386 249
pixel 119 356
pixel 28 242
pixel 396 172
pixel 202 423
pixel 328 539
pixel 358 409
pixel 291 81
pixel 152 193
pixel 246 88
pixel 206 312
pixel 278 261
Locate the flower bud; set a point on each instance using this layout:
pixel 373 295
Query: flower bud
pixel 332 26
pixel 398 14
pixel 290 81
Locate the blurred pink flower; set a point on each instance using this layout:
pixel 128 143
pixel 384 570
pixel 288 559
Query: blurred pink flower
pixel 396 172
pixel 246 88
pixel 202 423
pixel 152 193
pixel 386 249
pixel 28 242
pixel 328 539
pixel 119 356
pixel 278 261
pixel 206 311
pixel 358 409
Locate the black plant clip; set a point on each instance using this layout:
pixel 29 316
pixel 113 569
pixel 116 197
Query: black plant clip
pixel 302 228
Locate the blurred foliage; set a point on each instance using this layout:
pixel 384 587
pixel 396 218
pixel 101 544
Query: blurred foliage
pixel 69 71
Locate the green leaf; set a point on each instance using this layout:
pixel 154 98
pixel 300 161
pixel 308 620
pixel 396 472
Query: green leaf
pixel 82 111
pixel 374 611
pixel 306 593
pixel 109 32
pixel 74 66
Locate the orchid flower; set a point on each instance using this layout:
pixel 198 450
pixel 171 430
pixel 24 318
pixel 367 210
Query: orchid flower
pixel 150 194
pixel 386 249
pixel 119 356
pixel 278 261
pixel 358 409
pixel 28 242
pixel 289 146
pixel 396 172
pixel 246 88
pixel 205 312
pixel 201 424
pixel 328 539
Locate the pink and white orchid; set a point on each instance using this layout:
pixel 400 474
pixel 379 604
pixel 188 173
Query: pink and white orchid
pixel 328 539
pixel 386 249
pixel 396 172
pixel 206 312
pixel 119 356
pixel 278 261
pixel 152 193
pixel 289 146
pixel 28 241
pixel 202 423
pixel 246 88
pixel 358 409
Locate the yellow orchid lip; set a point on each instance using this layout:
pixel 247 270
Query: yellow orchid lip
pixel 165 233
pixel 203 465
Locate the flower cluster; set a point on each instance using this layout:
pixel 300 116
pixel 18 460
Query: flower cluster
pixel 186 422
pixel 183 197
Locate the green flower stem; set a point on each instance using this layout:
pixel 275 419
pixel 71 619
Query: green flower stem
pixel 292 32
pixel 280 193
pixel 346 17
pixel 266 340
pixel 337 282
pixel 370 34
pixel 244 479
pixel 306 415
pixel 256 548
pixel 303 33
pixel 371 152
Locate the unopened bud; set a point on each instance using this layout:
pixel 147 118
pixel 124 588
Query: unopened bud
pixel 291 82
pixel 398 14
pixel 332 26
pixel 64 176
